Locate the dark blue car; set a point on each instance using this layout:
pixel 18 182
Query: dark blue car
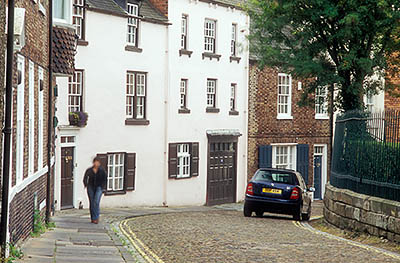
pixel 278 191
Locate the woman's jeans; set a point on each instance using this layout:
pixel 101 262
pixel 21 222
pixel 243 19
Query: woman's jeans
pixel 94 194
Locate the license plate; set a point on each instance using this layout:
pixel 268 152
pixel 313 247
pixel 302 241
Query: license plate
pixel 272 191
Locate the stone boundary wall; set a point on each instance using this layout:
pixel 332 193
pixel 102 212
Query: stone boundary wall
pixel 357 212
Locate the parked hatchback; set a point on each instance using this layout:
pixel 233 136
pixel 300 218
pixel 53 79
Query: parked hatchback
pixel 278 191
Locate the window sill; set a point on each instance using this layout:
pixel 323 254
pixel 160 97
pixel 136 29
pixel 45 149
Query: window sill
pixel 82 42
pixel 233 112
pixel 182 177
pixel 133 49
pixel 183 111
pixel 321 117
pixel 211 56
pixel 212 110
pixel 185 52
pixel 234 58
pixel 121 192
pixel 137 122
pixel 284 117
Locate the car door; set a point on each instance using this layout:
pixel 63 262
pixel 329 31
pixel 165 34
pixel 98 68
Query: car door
pixel 305 194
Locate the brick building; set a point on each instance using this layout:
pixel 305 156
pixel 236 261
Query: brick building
pixel 29 152
pixel 283 134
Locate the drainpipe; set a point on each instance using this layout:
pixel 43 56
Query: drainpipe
pixel 50 115
pixel 7 129
pixel 331 131
pixel 166 108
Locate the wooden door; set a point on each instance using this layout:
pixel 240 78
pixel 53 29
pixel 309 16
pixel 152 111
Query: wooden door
pixel 318 177
pixel 67 177
pixel 221 176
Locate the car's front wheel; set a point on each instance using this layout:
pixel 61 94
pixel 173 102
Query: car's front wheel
pixel 247 211
pixel 306 216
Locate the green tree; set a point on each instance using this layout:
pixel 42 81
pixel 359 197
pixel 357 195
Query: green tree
pixel 351 43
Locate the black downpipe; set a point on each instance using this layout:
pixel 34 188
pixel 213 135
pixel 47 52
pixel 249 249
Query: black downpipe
pixel 7 129
pixel 50 115
pixel 331 113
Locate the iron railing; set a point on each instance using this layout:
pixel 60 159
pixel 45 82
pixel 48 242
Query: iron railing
pixel 366 153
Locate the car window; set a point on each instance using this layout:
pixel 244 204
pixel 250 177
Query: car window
pixel 276 177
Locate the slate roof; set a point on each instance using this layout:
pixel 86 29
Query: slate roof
pixel 107 6
pixel 64 43
pixel 147 11
pixel 230 2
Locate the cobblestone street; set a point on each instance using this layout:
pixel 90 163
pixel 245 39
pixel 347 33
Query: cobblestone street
pixel 227 236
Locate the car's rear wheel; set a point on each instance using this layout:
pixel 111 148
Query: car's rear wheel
pixel 297 214
pixel 247 211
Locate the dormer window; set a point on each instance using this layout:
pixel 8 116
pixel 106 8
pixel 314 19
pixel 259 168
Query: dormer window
pixel 133 24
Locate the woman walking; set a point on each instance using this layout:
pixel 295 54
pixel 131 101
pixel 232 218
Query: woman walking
pixel 95 181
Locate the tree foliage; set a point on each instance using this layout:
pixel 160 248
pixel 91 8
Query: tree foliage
pixel 349 43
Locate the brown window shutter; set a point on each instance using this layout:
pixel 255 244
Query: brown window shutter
pixel 194 167
pixel 130 170
pixel 172 160
pixel 103 160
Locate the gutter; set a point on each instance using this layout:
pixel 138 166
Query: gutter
pixel 7 130
pixel 49 115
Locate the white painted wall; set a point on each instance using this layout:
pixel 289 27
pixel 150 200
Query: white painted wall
pixel 105 63
pixel 192 127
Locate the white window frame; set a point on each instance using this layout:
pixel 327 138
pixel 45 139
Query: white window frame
pixel 210 35
pixel 184 32
pixel 183 93
pixel 184 160
pixel 211 93
pixel 232 102
pixel 31 145
pixel 75 91
pixel 41 117
pixel 67 16
pixel 135 102
pixel 20 121
pixel 321 103
pixel 234 40
pixel 280 96
pixel 132 24
pixel 78 10
pixel 278 156
pixel 116 171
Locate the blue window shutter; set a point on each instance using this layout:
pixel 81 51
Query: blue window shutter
pixel 265 156
pixel 302 160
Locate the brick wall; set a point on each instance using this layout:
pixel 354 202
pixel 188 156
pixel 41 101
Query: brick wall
pixel 35 50
pixel 265 128
pixel 161 5
pixel 392 101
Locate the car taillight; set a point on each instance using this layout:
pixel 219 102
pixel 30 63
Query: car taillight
pixel 295 194
pixel 249 189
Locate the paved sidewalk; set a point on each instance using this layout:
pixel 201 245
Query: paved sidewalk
pixel 75 239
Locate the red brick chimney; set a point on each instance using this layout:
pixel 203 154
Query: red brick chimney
pixel 161 5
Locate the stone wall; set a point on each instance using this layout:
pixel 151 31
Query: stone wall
pixel 357 212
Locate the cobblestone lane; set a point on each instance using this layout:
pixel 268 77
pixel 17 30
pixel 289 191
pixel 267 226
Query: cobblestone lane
pixel 227 236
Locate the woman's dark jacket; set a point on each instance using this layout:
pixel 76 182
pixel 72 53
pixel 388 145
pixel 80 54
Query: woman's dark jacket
pixel 95 180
